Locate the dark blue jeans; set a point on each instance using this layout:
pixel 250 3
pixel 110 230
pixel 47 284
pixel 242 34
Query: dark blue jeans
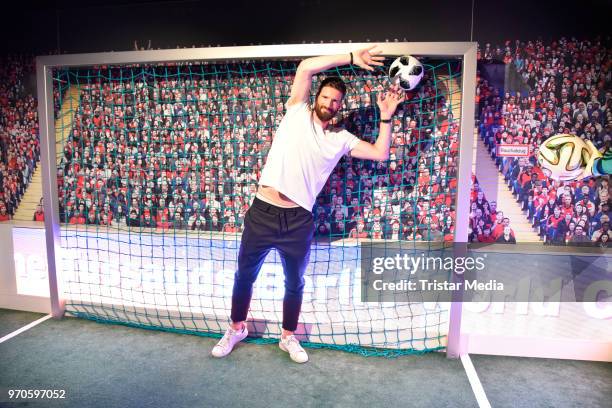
pixel 290 231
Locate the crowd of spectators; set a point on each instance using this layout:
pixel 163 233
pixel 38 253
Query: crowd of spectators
pixel 19 142
pixel 570 84
pixel 182 147
pixel 487 223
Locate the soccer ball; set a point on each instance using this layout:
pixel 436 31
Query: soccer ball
pixel 564 157
pixel 407 72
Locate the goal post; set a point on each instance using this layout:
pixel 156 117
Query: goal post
pixel 465 52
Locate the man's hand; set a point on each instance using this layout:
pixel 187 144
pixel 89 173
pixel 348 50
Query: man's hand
pixel 387 102
pixel 594 155
pixel 367 57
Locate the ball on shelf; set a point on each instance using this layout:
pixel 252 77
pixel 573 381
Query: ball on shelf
pixel 563 157
pixel 406 71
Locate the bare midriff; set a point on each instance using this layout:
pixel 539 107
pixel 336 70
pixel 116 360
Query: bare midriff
pixel 275 196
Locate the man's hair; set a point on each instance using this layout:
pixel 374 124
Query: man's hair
pixel 334 82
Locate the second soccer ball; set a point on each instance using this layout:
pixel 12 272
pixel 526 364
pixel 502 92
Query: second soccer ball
pixel 564 157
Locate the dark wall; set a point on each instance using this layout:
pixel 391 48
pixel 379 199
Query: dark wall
pixel 79 26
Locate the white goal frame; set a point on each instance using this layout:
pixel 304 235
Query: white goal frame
pixel 466 51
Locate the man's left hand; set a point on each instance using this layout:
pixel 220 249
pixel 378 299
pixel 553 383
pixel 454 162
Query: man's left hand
pixel 387 102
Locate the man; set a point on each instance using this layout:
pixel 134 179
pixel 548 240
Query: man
pixel 493 210
pixel 434 234
pixel 579 236
pixel 567 207
pixel 480 200
pixel 303 154
pixel 231 226
pixel 4 215
pixel 599 164
pixel 498 226
pixel 551 225
pixel 563 227
pixel 506 237
pixel 486 236
pixel 39 215
pixel 604 230
pixel 359 230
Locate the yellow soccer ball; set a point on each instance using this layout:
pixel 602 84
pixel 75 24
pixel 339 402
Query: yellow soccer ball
pixel 564 157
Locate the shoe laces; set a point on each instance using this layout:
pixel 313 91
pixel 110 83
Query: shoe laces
pixel 291 341
pixel 224 342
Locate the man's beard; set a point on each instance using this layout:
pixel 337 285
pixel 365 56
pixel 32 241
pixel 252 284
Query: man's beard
pixel 324 116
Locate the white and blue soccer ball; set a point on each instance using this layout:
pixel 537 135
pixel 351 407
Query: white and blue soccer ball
pixel 406 71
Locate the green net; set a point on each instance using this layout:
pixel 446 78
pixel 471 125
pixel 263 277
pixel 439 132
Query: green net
pixel 159 163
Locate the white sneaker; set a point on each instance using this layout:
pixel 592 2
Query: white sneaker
pixel 292 346
pixel 229 340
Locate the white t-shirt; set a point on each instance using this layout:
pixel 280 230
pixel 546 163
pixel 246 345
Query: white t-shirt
pixel 303 155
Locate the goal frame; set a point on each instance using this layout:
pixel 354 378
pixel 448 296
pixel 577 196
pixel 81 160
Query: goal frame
pixel 466 51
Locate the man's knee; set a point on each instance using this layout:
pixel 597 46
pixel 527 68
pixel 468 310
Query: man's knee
pixel 245 277
pixel 294 285
pixel 295 291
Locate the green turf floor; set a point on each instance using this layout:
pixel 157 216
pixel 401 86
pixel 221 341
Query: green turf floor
pixel 103 365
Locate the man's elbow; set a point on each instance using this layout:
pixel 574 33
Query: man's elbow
pixel 377 157
pixel 382 156
pixel 366 151
pixel 304 67
pixel 300 68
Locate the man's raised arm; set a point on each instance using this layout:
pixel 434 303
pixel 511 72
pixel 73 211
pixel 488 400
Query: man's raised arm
pixel 387 104
pixel 300 91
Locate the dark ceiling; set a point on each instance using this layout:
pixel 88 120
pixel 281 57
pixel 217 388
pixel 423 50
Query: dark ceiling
pixel 96 25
